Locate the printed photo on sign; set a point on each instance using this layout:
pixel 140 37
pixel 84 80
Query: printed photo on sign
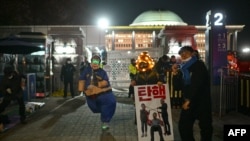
pixel 153 113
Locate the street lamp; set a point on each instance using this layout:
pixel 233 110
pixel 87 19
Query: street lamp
pixel 103 23
pixel 246 50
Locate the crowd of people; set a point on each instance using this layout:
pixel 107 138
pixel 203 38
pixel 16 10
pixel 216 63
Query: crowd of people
pixel 94 83
pixel 191 76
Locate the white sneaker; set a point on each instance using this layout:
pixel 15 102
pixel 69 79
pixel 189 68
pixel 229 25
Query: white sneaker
pixel 82 94
pixel 105 126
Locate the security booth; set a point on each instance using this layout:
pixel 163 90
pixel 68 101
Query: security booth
pixel 35 66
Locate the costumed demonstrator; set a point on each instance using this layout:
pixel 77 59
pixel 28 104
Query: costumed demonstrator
pixel 146 72
pixel 94 83
pixel 146 75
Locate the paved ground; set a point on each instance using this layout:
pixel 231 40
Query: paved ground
pixel 71 120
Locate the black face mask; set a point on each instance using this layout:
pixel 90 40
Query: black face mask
pixel 8 74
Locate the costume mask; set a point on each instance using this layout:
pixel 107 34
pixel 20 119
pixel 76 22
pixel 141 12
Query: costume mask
pixel 95 61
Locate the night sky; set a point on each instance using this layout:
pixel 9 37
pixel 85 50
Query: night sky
pixel 121 12
pixel 193 12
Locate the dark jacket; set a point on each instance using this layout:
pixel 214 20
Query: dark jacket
pixel 162 67
pixel 67 72
pixel 198 91
pixel 14 84
pixel 146 78
pixel 84 65
pixel 164 108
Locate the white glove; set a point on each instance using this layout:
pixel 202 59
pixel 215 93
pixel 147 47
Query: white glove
pixel 8 90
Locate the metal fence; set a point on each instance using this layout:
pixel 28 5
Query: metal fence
pixel 234 92
pixel 228 99
pixel 244 94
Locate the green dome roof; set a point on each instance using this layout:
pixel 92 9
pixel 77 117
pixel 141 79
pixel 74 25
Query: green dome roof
pixel 157 18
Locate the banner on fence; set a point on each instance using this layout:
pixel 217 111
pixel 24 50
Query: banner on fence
pixel 153 113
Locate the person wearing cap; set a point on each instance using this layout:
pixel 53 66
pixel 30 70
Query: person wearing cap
pixel 94 83
pixel 11 88
pixel 196 95
pixel 67 75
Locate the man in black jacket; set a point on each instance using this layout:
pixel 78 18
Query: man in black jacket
pixel 67 74
pixel 196 96
pixel 12 90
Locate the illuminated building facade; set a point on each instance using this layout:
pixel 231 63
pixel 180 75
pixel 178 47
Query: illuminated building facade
pixel 156 29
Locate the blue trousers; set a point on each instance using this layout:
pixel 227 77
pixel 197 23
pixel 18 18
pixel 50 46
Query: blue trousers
pixel 104 104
